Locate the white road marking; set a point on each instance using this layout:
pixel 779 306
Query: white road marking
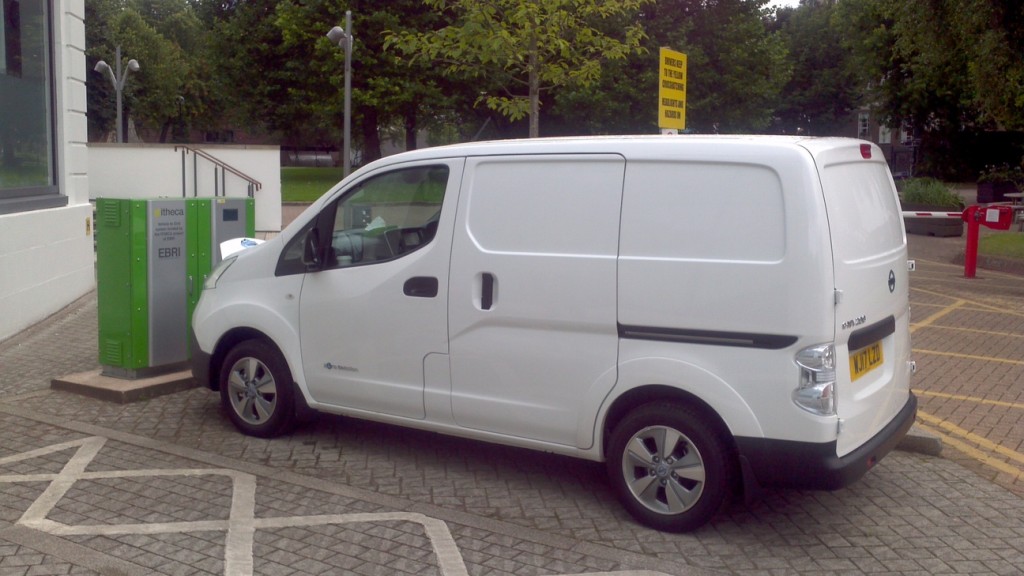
pixel 240 526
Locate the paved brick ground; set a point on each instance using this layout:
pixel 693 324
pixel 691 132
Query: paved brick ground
pixel 508 511
pixel 969 346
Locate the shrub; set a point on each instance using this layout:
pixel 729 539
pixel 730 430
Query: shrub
pixel 1000 173
pixel 930 192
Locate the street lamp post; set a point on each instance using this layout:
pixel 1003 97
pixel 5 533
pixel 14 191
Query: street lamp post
pixel 117 80
pixel 344 40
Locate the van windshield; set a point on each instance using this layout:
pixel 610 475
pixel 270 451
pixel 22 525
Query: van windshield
pixel 862 210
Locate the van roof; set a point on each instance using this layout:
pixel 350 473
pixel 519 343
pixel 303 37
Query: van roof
pixel 629 145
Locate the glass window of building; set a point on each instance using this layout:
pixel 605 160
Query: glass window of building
pixel 27 158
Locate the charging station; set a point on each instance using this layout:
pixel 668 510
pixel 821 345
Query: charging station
pixel 152 257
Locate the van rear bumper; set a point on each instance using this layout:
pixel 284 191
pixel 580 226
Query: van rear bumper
pixel 809 466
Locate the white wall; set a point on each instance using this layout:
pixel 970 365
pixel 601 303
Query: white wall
pixel 46 256
pixel 155 170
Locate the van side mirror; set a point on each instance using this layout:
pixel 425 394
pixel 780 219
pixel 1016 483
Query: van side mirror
pixel 311 251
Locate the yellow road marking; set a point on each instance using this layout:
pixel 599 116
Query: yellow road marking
pixel 960 301
pixel 979 440
pixel 947 310
pixel 969 356
pixel 976 331
pixel 976 454
pixel 969 399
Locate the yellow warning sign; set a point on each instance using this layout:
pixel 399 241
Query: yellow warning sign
pixel 672 90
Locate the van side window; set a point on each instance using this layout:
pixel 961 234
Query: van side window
pixel 387 216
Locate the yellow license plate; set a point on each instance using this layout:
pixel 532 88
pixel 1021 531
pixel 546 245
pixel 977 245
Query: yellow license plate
pixel 865 360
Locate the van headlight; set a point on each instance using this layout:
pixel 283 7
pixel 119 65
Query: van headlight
pixel 817 390
pixel 211 281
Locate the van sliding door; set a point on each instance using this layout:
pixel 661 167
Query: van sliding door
pixel 532 310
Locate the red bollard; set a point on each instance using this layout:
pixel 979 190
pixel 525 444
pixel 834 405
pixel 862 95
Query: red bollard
pixel 970 215
pixel 994 217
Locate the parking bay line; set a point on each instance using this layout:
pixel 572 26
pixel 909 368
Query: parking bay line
pixel 936 316
pixel 961 301
pixel 969 356
pixel 967 435
pixel 950 428
pixel 977 331
pixel 972 452
pixel 976 400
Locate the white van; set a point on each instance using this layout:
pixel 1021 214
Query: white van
pixel 702 313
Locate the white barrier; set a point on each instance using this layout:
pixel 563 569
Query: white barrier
pixel 912 214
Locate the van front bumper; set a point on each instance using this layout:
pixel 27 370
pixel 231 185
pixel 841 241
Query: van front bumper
pixel 811 466
pixel 200 363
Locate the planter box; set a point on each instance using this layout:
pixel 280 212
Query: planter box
pixel 943 227
pixel 994 191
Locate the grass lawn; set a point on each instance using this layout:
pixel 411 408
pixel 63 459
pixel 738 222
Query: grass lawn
pixel 1006 245
pixel 307 184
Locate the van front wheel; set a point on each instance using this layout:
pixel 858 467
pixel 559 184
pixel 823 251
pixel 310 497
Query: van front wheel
pixel 256 389
pixel 669 466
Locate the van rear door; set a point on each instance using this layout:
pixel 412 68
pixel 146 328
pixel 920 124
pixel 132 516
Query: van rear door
pixel 869 251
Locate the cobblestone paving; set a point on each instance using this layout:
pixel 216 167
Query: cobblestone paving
pixel 174 515
pixel 65 343
pixel 18 560
pixel 968 339
pixel 912 514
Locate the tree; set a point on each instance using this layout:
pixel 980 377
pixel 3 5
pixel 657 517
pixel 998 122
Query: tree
pixel 736 70
pixel 824 89
pixel 943 62
pixel 948 68
pixel 150 95
pixel 298 90
pixel 991 32
pixel 172 88
pixel 527 45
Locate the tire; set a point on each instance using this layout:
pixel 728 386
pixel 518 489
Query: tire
pixel 671 468
pixel 256 389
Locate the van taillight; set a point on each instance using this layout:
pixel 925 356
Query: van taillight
pixel 816 392
pixel 865 151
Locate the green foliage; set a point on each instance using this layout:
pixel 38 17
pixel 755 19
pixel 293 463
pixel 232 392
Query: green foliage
pixel 265 66
pixel 945 67
pixel 824 88
pixel 454 66
pixel 737 69
pixel 929 192
pixel 1002 173
pixel 170 43
pixel 298 91
pixel 523 46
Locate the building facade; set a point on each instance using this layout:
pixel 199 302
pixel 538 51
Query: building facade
pixel 46 228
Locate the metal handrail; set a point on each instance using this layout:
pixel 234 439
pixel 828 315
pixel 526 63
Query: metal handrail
pixel 254 184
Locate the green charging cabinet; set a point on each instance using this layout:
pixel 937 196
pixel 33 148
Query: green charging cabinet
pixel 152 256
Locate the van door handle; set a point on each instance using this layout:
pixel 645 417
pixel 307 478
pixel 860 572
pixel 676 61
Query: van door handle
pixel 486 291
pixel 421 287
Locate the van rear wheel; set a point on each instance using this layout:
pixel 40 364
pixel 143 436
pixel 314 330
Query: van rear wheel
pixel 256 389
pixel 670 467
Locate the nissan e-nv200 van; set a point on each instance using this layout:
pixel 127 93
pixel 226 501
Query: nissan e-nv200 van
pixel 703 314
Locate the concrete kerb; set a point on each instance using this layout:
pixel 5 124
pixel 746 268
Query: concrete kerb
pixel 95 384
pixel 920 442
